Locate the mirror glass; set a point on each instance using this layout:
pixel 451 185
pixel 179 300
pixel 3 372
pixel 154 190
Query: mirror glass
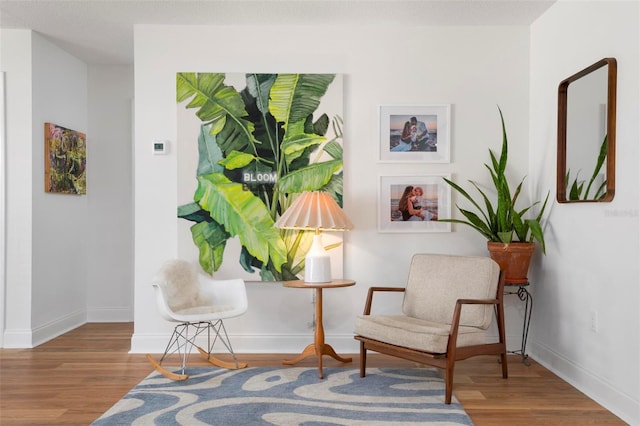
pixel 586 134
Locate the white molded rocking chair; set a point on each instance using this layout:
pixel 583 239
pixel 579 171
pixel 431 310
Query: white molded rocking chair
pixel 198 304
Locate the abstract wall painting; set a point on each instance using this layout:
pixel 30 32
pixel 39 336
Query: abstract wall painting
pixel 65 160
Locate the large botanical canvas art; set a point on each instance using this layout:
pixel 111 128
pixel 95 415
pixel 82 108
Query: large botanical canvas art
pixel 258 141
pixel 65 160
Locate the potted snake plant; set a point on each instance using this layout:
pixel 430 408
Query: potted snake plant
pixel 510 230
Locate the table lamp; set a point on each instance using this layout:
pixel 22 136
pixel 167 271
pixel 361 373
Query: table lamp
pixel 315 211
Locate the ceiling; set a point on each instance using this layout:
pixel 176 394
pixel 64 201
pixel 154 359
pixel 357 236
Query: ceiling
pixel 101 31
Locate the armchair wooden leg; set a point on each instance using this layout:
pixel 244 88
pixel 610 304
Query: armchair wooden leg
pixel 363 359
pixel 505 372
pixel 448 383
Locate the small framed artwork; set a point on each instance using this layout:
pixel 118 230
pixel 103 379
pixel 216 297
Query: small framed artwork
pixel 415 133
pixel 65 160
pixel 414 203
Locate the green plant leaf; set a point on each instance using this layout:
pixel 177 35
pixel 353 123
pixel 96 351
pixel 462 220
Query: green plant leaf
pixel 220 106
pixel 506 236
pixel 464 222
pixel 334 149
pixel 337 123
pixel 334 187
pixel 475 220
pixel 236 160
pixel 576 190
pixel 489 216
pixel 321 125
pixel 504 153
pixel 259 85
pixel 209 153
pixel 196 86
pixel 194 213
pixel 544 206
pixel 296 142
pixel 248 262
pixel 602 155
pixel 294 97
pixel 210 238
pixel 601 192
pixel 519 226
pixel 310 178
pixel 537 234
pixel 242 214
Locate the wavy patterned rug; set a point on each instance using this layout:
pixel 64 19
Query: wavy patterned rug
pixel 289 396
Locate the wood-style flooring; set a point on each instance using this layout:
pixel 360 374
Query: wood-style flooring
pixel 74 378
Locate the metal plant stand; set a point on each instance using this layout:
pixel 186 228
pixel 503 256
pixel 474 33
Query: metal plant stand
pixel 527 298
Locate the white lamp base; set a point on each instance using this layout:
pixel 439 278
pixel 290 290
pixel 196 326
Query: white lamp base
pixel 317 263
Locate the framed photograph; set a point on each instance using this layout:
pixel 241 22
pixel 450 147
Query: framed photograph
pixel 415 133
pixel 413 203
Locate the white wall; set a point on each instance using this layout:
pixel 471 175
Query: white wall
pixel 110 196
pixel 19 165
pixel 472 68
pixel 59 220
pixel 69 258
pixel 592 249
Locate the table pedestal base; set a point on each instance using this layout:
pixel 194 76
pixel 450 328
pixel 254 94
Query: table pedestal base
pixel 318 347
pixel 319 351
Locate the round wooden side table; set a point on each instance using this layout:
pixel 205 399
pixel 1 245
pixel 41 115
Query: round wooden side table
pixel 318 347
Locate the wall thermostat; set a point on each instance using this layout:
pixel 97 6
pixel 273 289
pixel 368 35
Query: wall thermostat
pixel 160 147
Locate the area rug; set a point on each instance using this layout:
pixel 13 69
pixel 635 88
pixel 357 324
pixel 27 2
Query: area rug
pixel 289 396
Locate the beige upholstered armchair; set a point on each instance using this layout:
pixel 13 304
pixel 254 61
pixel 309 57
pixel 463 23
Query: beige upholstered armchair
pixel 449 303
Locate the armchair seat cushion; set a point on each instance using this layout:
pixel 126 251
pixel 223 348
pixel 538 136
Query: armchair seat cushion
pixel 415 333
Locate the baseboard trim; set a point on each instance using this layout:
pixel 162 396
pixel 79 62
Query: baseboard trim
pixel 596 388
pixel 30 338
pixel 17 339
pixel 57 327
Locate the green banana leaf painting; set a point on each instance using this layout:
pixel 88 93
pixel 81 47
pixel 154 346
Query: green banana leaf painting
pixel 261 143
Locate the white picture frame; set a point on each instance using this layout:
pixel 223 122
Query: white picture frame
pixel 432 146
pixel 435 203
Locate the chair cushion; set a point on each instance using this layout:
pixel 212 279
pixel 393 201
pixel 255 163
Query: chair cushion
pixel 437 281
pixel 200 310
pixel 179 280
pixel 414 333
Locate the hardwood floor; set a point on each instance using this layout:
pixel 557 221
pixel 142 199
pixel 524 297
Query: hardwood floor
pixel 73 379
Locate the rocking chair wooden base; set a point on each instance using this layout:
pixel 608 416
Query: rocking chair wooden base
pixel 166 373
pixel 207 356
pixel 220 363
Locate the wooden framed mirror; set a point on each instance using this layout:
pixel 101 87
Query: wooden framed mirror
pixel 587 134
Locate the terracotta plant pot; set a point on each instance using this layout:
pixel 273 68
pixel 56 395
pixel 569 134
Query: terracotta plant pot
pixel 513 258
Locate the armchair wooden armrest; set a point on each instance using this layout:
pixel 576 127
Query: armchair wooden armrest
pixel 465 352
pixel 367 305
pixel 457 312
